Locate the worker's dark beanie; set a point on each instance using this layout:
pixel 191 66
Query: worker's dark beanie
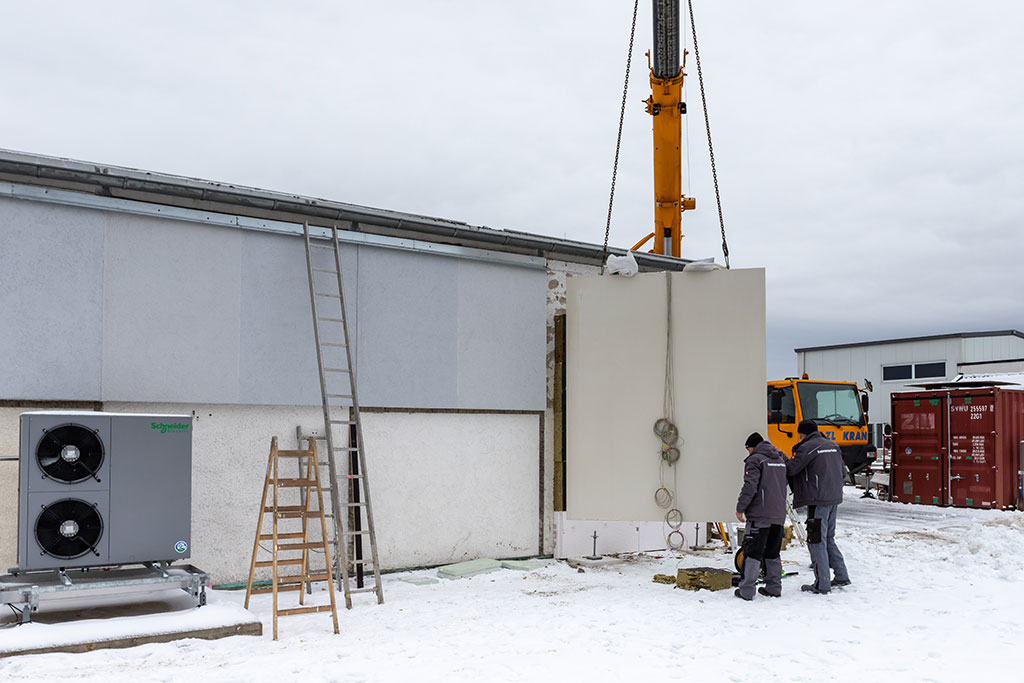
pixel 806 427
pixel 753 440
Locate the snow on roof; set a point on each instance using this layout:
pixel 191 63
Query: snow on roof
pixel 1009 380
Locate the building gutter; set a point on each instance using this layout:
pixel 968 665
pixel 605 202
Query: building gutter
pixel 246 203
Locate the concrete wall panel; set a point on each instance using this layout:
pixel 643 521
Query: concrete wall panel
pixel 616 341
pixel 277 352
pixel 408 305
pixel 51 301
pixel 171 311
pixel 501 337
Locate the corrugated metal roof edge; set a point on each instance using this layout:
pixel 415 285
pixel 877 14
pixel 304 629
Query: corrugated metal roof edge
pixel 962 335
pixel 185 192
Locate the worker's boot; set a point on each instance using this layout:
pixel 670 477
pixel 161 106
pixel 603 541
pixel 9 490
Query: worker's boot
pixel 748 582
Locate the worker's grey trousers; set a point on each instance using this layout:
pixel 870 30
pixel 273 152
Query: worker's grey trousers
pixel 761 543
pixel 825 553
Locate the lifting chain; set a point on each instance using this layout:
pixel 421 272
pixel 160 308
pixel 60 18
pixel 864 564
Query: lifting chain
pixel 707 125
pixel 618 140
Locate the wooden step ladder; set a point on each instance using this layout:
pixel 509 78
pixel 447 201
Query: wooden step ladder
pixel 343 430
pixel 291 541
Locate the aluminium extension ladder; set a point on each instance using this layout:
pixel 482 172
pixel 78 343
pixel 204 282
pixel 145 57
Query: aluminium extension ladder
pixel 342 426
pixel 291 541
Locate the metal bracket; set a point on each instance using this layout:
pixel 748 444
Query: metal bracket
pixel 30 600
pixel 153 567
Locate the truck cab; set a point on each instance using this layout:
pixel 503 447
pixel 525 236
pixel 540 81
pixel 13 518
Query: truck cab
pixel 838 408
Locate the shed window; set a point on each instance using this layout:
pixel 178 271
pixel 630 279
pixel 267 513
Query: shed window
pixel 892 373
pixel 924 370
pixel 898 373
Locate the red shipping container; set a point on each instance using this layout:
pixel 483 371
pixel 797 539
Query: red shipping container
pixel 918 449
pixel 958 447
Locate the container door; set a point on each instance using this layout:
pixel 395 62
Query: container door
pixel 918 449
pixel 972 466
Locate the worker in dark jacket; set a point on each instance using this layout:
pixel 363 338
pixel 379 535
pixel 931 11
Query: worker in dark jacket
pixel 816 476
pixel 762 504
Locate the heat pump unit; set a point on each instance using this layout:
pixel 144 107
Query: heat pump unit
pixel 100 489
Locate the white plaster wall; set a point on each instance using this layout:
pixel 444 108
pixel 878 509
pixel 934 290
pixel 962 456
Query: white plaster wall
pixel 448 487
pixel 9 488
pixel 445 486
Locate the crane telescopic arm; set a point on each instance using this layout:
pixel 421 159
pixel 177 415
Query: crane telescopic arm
pixel 666 107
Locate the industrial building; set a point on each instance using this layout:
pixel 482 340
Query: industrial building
pixel 893 365
pixel 134 291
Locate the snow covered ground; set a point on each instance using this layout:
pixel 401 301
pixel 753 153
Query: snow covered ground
pixel 938 595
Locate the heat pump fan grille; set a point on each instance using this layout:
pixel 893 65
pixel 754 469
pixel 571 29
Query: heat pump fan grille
pixel 68 529
pixel 70 453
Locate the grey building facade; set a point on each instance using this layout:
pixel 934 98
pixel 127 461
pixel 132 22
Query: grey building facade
pixel 130 291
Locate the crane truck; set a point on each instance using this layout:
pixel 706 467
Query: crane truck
pixel 838 408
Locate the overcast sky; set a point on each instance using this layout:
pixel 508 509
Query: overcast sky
pixel 870 155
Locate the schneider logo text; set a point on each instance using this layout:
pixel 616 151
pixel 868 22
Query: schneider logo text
pixel 164 428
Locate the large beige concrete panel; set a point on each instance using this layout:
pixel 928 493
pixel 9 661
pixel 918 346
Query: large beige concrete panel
pixel 616 332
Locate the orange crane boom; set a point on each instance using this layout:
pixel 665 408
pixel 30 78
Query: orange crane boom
pixel 666 107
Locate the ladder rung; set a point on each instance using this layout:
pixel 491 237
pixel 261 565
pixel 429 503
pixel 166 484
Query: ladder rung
pixel 293 482
pixel 286 508
pixel 340 346
pixel 353 476
pixel 332 296
pixel 325 270
pixel 361 532
pixel 298 546
pixel 322 246
pixel 304 610
pixel 270 563
pixel 372 589
pixel 339 395
pixel 289 580
pixel 295 454
pixel 361 503
pixel 280 588
pixel 298 513
pixel 363 561
pixel 343 422
pixel 270 537
pixel 346 448
pixel 337 370
pixel 331 320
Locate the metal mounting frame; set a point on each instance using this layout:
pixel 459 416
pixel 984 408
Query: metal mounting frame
pixel 27 590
